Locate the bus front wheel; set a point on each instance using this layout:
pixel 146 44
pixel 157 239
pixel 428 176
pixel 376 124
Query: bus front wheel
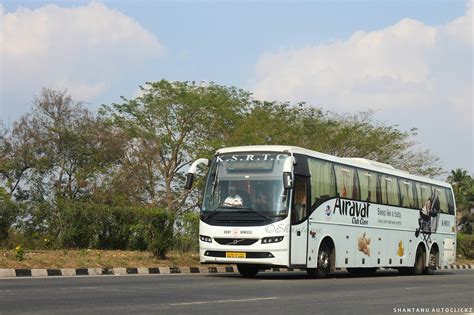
pixel 324 263
pixel 248 271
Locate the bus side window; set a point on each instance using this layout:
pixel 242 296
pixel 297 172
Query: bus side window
pixel 379 189
pixel 450 200
pixel 300 208
pixel 406 193
pixel 443 199
pixel 368 185
pixel 423 192
pixel 347 187
pixel 323 182
pixel 383 189
pixel 355 185
pixel 390 191
pixel 416 204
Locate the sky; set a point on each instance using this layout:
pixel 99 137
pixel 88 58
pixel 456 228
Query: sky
pixel 411 62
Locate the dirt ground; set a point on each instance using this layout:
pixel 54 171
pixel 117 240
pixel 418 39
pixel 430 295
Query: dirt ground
pixel 91 258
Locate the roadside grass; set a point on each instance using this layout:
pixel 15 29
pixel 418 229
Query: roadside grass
pixel 92 258
pixel 464 261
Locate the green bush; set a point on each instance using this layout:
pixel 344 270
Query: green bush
pixel 137 239
pixel 8 211
pixel 465 245
pixel 158 227
pixel 187 235
pixel 77 228
pixel 115 226
pixel 82 224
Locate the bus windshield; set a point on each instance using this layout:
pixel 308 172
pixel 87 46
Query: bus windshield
pixel 246 182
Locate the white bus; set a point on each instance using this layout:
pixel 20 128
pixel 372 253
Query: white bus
pixel 285 206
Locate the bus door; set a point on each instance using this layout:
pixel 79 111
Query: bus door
pixel 299 220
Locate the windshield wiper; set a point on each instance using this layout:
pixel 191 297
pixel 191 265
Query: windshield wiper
pixel 217 210
pixel 250 210
pixel 239 209
pixel 214 212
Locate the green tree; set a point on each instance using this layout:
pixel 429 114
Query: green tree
pixel 8 214
pixel 168 126
pixel 463 188
pixel 345 135
pixel 57 153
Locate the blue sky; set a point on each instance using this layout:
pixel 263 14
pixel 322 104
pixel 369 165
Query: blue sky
pixel 278 50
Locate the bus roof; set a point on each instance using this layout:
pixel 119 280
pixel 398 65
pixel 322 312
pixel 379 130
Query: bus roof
pixel 356 162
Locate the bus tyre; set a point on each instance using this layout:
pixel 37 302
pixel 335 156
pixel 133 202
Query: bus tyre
pixel 432 263
pixel 324 263
pixel 248 271
pixel 419 267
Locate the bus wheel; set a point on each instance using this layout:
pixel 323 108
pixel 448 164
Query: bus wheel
pixel 419 262
pixel 324 263
pixel 432 262
pixel 248 271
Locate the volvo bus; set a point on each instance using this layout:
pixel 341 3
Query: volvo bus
pixel 285 206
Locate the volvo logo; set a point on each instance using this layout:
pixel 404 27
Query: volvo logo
pixel 235 242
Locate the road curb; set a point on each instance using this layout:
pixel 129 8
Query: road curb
pixel 119 271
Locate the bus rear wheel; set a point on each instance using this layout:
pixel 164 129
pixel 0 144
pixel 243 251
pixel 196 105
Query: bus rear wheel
pixel 419 266
pixel 433 262
pixel 248 271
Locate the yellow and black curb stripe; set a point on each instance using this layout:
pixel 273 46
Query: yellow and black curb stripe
pixel 8 273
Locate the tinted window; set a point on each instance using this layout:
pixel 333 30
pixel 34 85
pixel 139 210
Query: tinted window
pixel 347 182
pixel 300 207
pixel 407 195
pixel 440 193
pixel 423 193
pixel 450 201
pixel 368 185
pixel 389 190
pixel 323 183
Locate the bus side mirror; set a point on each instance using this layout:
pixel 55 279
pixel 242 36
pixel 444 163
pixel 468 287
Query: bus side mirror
pixel 287 170
pixel 189 181
pixel 287 180
pixel 192 171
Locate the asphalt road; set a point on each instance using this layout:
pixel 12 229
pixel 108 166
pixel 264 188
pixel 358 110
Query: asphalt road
pixel 269 293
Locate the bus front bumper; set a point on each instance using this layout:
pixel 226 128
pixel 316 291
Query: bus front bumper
pixel 263 257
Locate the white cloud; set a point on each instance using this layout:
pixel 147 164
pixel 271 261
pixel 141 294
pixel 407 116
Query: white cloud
pixel 404 65
pixel 86 49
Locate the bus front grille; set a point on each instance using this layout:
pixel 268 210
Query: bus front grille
pixel 236 241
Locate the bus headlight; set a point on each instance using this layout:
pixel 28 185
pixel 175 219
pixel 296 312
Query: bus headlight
pixel 205 238
pixel 273 239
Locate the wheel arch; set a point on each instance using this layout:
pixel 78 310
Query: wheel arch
pixel 327 239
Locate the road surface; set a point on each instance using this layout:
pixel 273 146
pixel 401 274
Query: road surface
pixel 269 293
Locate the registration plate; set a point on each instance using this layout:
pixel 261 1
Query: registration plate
pixel 235 255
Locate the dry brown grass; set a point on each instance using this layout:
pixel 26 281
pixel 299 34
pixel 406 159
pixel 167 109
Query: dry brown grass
pixel 464 261
pixel 92 258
